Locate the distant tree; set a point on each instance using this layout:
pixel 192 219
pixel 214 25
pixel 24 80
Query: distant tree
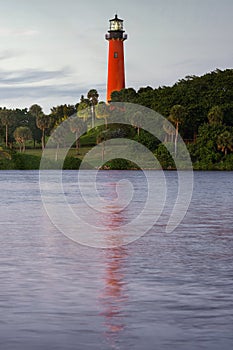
pixel 61 113
pixel 77 126
pixel 177 115
pixel 21 135
pixel 215 116
pixel 93 96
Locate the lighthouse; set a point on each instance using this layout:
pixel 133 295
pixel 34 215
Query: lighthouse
pixel 116 67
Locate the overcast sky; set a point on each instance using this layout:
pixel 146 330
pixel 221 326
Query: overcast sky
pixel 52 51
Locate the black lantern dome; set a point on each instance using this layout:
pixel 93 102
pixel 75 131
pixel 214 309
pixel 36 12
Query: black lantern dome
pixel 116 24
pixel 116 29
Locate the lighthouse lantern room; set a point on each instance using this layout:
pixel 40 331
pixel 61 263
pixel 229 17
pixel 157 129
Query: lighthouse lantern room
pixel 116 69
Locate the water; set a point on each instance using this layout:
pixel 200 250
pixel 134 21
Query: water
pixel 163 291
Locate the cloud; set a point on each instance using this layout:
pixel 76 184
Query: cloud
pixel 74 90
pixel 5 32
pixel 22 88
pixel 47 95
pixel 28 76
pixel 8 54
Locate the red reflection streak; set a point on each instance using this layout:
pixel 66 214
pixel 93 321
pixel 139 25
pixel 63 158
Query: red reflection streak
pixel 114 296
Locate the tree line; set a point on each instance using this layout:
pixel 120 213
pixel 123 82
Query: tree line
pixel 200 108
pixel 20 125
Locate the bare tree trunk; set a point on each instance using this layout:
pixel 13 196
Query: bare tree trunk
pixel 43 139
pixel 92 116
pixel 176 138
pixel 56 154
pixel 77 143
pixel 6 135
pixel 172 137
pixel 103 149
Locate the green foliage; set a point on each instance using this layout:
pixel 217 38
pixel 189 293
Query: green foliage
pixel 196 94
pixel 4 154
pixel 61 113
pixel 125 95
pixel 89 139
pixel 210 150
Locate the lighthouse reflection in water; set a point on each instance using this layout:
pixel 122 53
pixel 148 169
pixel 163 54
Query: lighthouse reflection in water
pixel 113 297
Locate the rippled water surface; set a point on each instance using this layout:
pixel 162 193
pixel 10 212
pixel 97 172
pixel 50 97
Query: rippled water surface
pixel 163 291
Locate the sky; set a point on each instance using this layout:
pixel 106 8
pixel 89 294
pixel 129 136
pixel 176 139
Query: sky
pixel 54 51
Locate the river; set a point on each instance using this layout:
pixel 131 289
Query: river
pixel 162 291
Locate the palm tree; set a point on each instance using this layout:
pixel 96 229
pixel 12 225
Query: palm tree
pixel 35 110
pixel 215 116
pixel 169 130
pixel 42 121
pixel 225 142
pixel 101 138
pixel 103 112
pixel 83 109
pixel 137 120
pixel 7 119
pixel 58 136
pixel 21 135
pixel 177 115
pixel 93 96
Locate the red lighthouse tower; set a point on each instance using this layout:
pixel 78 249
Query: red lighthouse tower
pixel 116 68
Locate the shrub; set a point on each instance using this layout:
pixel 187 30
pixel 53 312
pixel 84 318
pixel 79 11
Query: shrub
pixel 120 164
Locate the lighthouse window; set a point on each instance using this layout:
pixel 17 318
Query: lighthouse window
pixel 115 54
